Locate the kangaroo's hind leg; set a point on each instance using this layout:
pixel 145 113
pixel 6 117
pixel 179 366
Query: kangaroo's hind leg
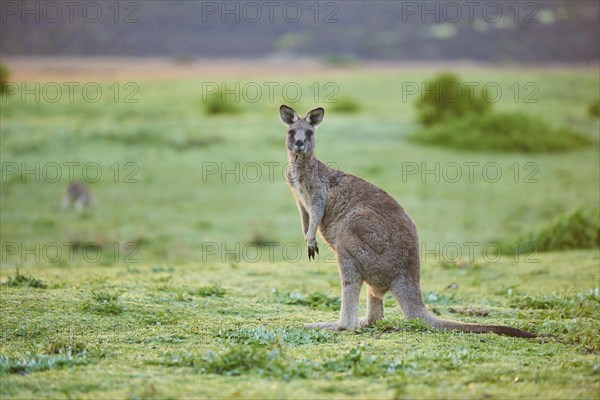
pixel 351 283
pixel 374 308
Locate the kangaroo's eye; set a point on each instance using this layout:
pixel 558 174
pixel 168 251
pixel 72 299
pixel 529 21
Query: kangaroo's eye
pixel 292 132
pixel 309 132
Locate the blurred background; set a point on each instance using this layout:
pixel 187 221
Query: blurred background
pixel 480 118
pixel 492 31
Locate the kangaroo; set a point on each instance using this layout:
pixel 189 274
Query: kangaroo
pixel 78 196
pixel 372 236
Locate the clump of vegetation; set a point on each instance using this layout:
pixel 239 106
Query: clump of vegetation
pixel 261 336
pixel 239 359
pixel 210 291
pixel 41 362
pixel 346 105
pixel 455 116
pixel 3 79
pixel 219 103
pixel 445 97
pixel 316 300
pixel 25 281
pixel 501 132
pixel 594 108
pixel 396 325
pixel 103 302
pixel 578 229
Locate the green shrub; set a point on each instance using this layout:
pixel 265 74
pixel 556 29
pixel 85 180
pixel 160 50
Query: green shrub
pixel 594 109
pixel 3 78
pixel 446 96
pixel 346 105
pixel 218 103
pixel 501 132
pixel 579 229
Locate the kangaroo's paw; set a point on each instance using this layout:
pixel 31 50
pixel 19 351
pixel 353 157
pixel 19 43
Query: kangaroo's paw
pixel 312 250
pixel 332 326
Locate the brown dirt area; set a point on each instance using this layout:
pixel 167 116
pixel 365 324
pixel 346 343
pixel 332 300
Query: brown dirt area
pixel 64 69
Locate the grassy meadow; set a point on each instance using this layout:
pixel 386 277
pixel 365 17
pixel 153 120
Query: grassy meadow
pixel 189 277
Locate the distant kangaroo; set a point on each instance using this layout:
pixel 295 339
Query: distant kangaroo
pixel 78 196
pixel 375 241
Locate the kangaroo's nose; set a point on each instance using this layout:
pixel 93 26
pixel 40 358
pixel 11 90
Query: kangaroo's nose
pixel 299 143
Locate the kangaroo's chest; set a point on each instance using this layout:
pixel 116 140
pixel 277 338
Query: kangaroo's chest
pixel 302 194
pixel 300 188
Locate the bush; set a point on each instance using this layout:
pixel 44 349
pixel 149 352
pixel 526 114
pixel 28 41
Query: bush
pixel 501 132
pixel 446 96
pixel 3 78
pixel 220 104
pixel 594 108
pixel 579 229
pixel 346 105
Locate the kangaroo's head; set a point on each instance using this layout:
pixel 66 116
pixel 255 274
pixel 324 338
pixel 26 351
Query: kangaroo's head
pixel 301 131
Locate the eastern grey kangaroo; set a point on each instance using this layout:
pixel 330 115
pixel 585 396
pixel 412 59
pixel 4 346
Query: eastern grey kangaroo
pixel 374 239
pixel 77 196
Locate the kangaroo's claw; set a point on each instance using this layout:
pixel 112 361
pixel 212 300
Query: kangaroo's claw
pixel 312 250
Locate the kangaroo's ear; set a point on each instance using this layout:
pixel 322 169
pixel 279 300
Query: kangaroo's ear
pixel 315 117
pixel 288 115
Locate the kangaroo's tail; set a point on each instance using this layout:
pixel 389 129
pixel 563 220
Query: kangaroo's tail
pixel 408 295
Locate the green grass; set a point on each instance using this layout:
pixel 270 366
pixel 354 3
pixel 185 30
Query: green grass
pixel 199 285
